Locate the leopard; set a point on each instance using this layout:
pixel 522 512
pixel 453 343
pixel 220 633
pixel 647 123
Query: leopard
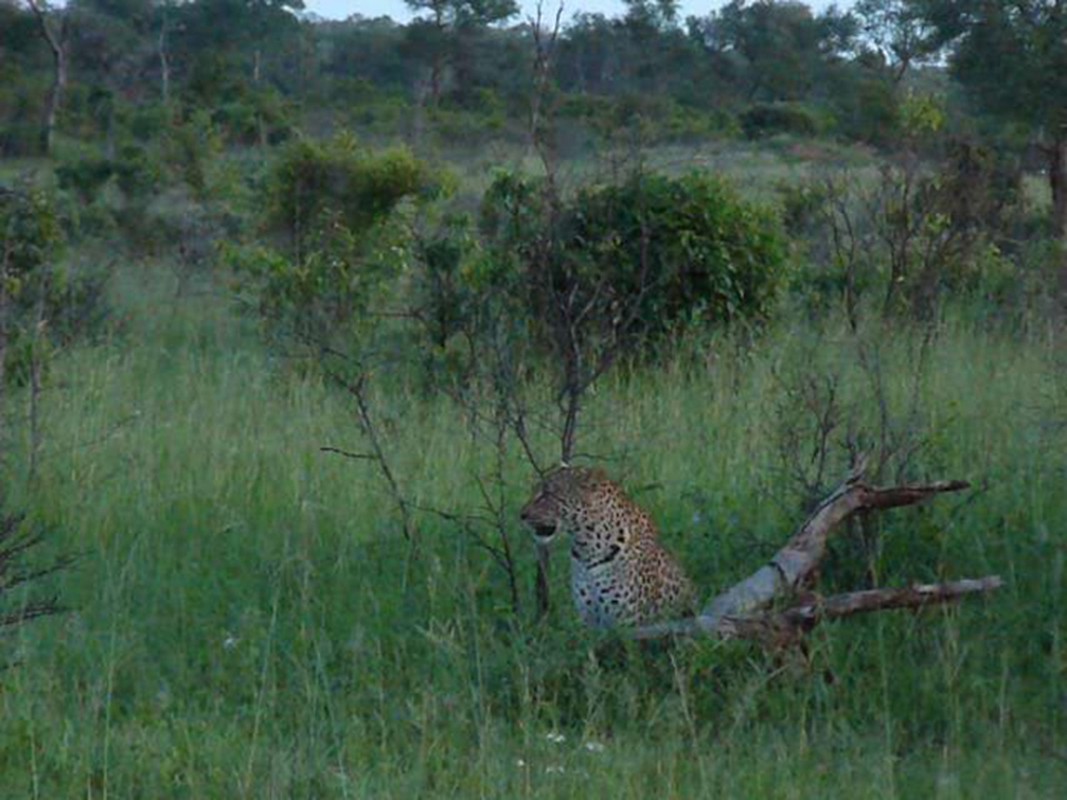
pixel 621 575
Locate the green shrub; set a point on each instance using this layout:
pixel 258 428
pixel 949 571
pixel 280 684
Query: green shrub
pixel 649 118
pixel 330 207
pixel 189 149
pixel 41 294
pixel 136 172
pixel 467 128
pixel 29 234
pixel 20 138
pixel 261 116
pixel 663 251
pixel 714 256
pixel 341 180
pixel 770 119
pixel 866 110
pixel 84 176
pixel 149 122
pixel 916 235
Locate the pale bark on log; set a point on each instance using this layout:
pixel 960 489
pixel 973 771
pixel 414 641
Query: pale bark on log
pixel 742 610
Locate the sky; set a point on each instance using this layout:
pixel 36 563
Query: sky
pixel 398 10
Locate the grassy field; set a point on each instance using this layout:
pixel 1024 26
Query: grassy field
pixel 758 170
pixel 246 620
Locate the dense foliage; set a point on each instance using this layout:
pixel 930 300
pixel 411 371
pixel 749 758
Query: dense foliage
pixel 261 69
pixel 660 252
pixel 327 208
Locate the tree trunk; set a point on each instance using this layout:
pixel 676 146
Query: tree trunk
pixel 112 129
pixel 1057 180
pixel 435 81
pixel 164 62
pixel 57 44
pixel 55 99
pixel 4 306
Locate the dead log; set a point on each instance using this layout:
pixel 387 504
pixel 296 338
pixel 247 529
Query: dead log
pixel 745 609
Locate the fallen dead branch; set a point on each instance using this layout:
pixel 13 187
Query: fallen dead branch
pixel 745 610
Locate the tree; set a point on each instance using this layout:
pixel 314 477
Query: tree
pixel 1011 57
pixel 777 49
pixel 446 35
pixel 109 48
pixel 53 27
pixel 897 31
pixel 651 14
pixel 236 28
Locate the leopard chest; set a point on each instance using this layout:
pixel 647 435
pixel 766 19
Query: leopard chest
pixel 602 575
pixel 621 575
pixel 604 595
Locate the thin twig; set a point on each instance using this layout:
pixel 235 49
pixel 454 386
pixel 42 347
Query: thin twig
pixel 348 453
pixel 357 390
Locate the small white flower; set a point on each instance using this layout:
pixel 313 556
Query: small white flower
pixel 230 642
pixel 555 737
pixel 520 763
pixel 554 769
pixel 594 747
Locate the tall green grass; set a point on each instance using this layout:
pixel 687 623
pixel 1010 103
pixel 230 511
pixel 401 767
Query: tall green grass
pixel 247 621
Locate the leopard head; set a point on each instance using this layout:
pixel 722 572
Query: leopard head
pixel 560 500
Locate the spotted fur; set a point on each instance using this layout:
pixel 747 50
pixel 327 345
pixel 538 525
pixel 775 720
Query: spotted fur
pixel 620 573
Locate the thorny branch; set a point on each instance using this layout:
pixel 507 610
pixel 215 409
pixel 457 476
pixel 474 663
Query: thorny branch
pixel 15 541
pixel 358 390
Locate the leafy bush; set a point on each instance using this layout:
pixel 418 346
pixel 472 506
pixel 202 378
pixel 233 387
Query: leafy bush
pixel 866 109
pixel 85 176
pixel 648 118
pixel 663 251
pixel 40 293
pixel 135 173
pixel 339 182
pixel 770 119
pixel 29 234
pixel 330 208
pixel 257 116
pixel 189 149
pixel 715 257
pixel 148 122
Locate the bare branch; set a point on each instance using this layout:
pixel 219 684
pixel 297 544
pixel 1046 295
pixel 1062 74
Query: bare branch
pixel 792 566
pixel 44 608
pixel 742 610
pixel 915 597
pixel 358 391
pixel 348 453
pixel 782 628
